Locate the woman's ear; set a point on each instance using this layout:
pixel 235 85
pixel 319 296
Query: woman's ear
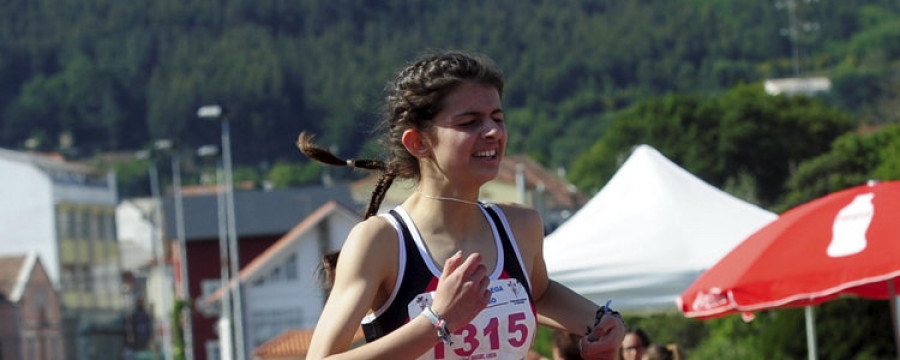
pixel 414 142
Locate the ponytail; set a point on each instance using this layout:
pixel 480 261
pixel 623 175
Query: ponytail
pixel 315 152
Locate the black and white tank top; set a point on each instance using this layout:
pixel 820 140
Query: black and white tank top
pixel 505 329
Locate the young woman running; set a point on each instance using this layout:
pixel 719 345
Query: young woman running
pixel 442 275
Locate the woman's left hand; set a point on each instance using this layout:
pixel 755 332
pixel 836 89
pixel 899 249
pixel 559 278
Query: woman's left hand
pixel 608 335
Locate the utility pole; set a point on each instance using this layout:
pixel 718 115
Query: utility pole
pixel 795 27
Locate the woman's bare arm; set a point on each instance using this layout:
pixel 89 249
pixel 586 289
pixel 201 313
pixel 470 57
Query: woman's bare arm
pixel 558 306
pixel 368 259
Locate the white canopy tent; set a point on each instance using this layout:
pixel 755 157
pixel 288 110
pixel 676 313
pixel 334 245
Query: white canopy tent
pixel 648 234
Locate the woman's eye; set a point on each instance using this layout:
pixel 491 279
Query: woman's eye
pixel 469 123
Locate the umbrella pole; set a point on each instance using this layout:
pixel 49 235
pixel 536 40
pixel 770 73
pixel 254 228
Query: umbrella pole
pixel 895 312
pixel 810 333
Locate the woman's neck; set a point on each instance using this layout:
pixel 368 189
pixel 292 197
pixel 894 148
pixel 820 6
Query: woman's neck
pixel 444 213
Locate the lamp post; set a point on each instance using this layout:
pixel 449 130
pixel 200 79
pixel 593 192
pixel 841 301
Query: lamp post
pixel 216 112
pixel 159 254
pixel 224 325
pixel 170 147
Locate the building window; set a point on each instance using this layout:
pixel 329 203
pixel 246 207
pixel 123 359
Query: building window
pixel 290 267
pixel 275 275
pixel 79 228
pixel 110 229
pixel 94 224
pixel 64 221
pixel 87 279
pixel 67 277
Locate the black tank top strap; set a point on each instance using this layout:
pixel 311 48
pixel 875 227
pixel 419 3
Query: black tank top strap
pixel 513 266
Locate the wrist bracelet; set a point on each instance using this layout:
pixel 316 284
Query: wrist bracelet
pixel 603 310
pixel 439 324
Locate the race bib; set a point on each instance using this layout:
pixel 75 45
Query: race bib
pixel 504 330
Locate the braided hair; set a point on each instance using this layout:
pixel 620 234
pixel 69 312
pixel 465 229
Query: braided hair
pixel 413 98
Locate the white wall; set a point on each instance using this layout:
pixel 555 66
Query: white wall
pixel 282 303
pixel 27 214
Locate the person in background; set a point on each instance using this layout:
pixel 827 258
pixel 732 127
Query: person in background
pixel 420 277
pixel 634 344
pixel 660 352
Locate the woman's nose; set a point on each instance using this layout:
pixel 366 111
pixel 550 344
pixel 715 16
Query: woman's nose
pixel 493 129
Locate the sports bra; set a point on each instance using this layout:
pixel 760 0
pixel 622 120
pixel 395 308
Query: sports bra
pixel 505 329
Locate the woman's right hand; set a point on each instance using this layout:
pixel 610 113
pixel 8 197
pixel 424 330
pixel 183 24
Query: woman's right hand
pixel 462 290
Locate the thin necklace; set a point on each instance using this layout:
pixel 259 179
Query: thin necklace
pixel 447 198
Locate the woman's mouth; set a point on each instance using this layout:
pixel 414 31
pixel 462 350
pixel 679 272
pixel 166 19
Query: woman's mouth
pixel 486 154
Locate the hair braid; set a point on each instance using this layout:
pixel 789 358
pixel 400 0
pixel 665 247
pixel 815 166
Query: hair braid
pixel 381 188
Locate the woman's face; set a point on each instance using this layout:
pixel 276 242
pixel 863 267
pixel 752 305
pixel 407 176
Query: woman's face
pixel 469 135
pixel 632 347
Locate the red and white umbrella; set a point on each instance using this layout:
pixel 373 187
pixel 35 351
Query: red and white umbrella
pixel 847 242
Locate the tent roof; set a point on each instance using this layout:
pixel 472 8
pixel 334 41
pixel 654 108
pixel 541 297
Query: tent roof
pixel 648 234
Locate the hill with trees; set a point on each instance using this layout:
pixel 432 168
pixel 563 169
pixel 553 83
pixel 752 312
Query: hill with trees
pixel 108 76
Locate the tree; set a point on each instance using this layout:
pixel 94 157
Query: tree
pixel 853 159
pixel 744 132
pixel 291 174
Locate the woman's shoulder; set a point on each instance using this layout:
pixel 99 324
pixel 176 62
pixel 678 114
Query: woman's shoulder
pixel 375 230
pixel 373 238
pixel 518 213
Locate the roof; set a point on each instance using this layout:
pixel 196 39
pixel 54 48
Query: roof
pixel 67 173
pixel 50 161
pixel 293 342
pixel 258 212
pixel 284 243
pixel 562 193
pixel 15 271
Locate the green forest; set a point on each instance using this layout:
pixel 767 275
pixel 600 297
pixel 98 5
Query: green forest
pixel 586 81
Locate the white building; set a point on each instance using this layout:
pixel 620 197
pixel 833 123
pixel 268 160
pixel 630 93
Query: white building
pixel 797 86
pixel 65 212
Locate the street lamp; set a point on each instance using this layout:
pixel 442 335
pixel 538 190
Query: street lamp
pixel 169 146
pixel 225 333
pixel 215 112
pixel 159 254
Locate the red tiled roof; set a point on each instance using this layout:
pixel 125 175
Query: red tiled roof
pixel 293 342
pixel 198 190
